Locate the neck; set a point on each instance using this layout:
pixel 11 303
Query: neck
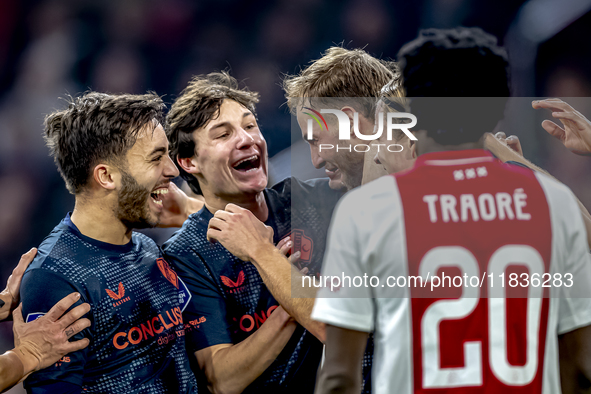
pixel 428 145
pixel 96 220
pixel 255 203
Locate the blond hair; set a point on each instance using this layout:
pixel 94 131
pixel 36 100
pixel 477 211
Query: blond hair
pixel 340 74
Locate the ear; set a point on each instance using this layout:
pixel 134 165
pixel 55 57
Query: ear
pixel 364 125
pixel 413 148
pixel 189 164
pixel 350 111
pixel 421 139
pixel 106 176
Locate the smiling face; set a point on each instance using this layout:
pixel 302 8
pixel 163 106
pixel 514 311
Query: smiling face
pixel 231 154
pixel 146 177
pixel 343 168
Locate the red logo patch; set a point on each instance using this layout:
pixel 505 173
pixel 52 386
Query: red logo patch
pixel 235 286
pixel 302 244
pixel 168 272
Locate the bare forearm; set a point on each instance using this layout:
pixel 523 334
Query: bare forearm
pixel 341 372
pixel 349 383
pixel 231 369
pixel 11 370
pixel 284 281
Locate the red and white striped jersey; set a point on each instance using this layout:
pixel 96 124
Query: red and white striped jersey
pixel 508 250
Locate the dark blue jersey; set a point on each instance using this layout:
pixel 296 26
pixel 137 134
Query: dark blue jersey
pixel 230 301
pixel 311 203
pixel 137 332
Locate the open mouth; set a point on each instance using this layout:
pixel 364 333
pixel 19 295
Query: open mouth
pixel 157 195
pixel 248 164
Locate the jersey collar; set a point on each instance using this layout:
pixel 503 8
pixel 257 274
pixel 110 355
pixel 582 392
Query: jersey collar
pixel 455 157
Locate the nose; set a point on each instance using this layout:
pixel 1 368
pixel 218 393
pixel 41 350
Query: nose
pixel 170 169
pixel 317 161
pixel 245 139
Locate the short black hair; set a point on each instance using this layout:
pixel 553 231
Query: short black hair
pixel 199 103
pixel 97 127
pixel 458 63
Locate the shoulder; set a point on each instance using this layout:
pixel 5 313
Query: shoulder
pixel 554 188
pixel 377 191
pixel 193 232
pixel 561 200
pixel 144 243
pixel 62 251
pixel 296 186
pixel 371 202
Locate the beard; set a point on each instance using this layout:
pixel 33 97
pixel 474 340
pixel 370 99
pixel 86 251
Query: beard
pixel 132 206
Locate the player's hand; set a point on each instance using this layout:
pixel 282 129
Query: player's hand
pixel 239 231
pixel 284 246
pixel 10 295
pixel 576 131
pixel 512 142
pixel 44 341
pixel 500 148
pixel 177 207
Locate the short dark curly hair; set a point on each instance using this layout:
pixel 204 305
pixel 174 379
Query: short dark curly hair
pixel 457 63
pixel 198 104
pixel 97 127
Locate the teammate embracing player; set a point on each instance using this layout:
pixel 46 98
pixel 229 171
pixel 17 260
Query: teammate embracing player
pixel 458 208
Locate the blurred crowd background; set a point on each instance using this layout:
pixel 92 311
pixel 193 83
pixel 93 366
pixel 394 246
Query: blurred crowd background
pixel 52 48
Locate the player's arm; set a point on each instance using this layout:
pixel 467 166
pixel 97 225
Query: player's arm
pixel 348 313
pixel 575 360
pixel 44 341
pixel 499 147
pixel 228 367
pixel 573 299
pixel 247 238
pixel 40 291
pixel 575 132
pixel 178 207
pixel 341 372
pixel 231 368
pixel 9 297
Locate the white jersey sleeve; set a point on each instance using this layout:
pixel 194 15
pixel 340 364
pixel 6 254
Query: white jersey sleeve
pixel 344 300
pixel 571 254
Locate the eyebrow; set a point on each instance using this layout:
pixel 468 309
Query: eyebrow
pixel 244 115
pixel 161 149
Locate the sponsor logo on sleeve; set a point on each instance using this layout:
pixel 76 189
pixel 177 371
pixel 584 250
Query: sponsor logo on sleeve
pixel 234 286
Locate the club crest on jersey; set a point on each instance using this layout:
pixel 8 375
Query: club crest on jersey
pixel 302 244
pixel 168 272
pixel 118 297
pixel 234 286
